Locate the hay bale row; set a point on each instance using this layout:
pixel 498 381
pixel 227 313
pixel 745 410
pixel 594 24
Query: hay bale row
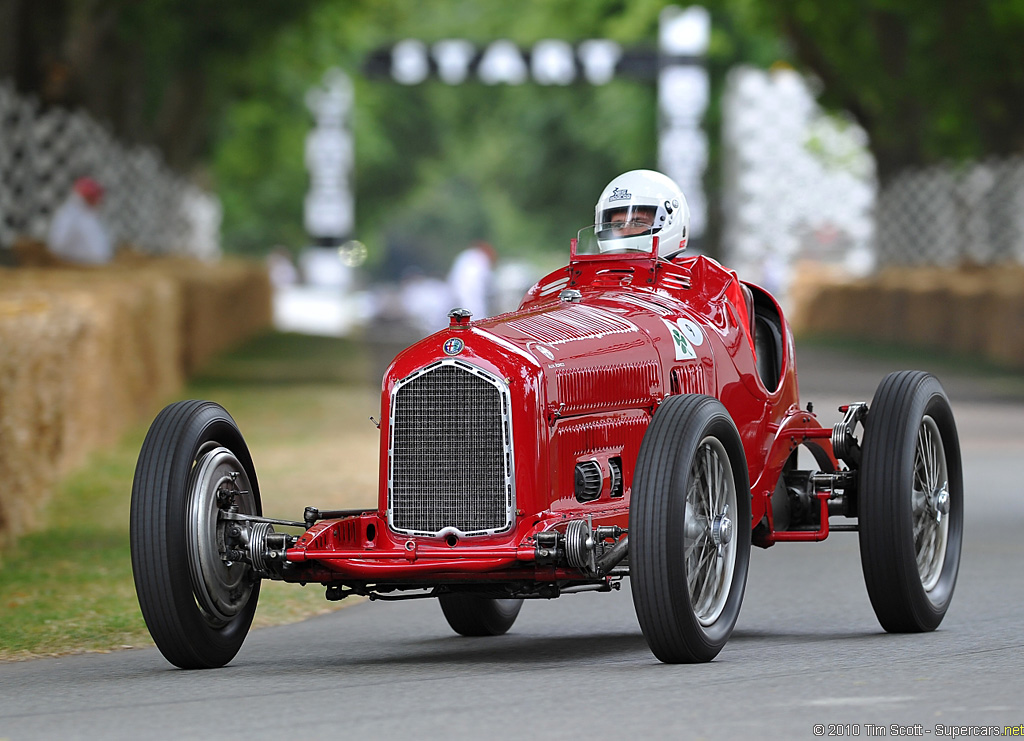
pixel 220 308
pixel 86 353
pixel 977 311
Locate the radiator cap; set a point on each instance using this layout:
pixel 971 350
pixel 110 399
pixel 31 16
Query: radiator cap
pixel 459 317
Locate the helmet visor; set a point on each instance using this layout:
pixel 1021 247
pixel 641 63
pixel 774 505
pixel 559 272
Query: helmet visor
pixel 627 221
pixel 615 237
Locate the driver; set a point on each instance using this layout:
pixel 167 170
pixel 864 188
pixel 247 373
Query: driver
pixel 638 204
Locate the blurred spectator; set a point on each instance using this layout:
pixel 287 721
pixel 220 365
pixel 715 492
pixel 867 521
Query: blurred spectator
pixel 77 234
pixel 470 278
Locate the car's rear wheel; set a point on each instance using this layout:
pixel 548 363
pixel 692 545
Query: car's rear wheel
pixel 193 464
pixel 910 500
pixel 472 615
pixel 689 529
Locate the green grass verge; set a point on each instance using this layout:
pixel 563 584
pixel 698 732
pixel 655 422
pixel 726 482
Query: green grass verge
pixel 68 586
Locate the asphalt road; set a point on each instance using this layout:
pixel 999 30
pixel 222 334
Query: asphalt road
pixel 807 649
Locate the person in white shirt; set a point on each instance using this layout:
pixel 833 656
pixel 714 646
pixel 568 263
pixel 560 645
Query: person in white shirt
pixel 470 279
pixel 77 234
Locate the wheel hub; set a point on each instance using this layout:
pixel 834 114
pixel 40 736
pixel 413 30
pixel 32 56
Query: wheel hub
pixel 217 482
pixel 722 530
pixel 940 501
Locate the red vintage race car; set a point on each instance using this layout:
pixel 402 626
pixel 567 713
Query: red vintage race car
pixel 636 416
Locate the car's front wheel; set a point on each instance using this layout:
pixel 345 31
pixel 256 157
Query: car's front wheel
pixel 689 529
pixel 194 466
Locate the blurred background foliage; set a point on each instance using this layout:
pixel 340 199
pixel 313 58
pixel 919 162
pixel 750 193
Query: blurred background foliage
pixel 928 80
pixel 220 88
pixel 439 166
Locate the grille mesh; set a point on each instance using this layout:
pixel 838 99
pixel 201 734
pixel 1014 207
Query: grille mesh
pixel 450 453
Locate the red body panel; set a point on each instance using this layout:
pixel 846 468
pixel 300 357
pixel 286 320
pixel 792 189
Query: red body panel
pixel 584 377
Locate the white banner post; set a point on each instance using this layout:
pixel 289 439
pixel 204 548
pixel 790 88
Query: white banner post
pixel 330 155
pixel 683 92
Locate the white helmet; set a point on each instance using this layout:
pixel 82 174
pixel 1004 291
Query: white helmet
pixel 636 205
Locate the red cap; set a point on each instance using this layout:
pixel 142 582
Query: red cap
pixel 487 249
pixel 90 190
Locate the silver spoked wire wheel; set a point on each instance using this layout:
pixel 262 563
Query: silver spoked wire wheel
pixel 689 529
pixel 910 502
pixel 930 505
pixel 710 548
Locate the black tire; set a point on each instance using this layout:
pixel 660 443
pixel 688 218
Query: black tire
pixel 910 576
pixel 470 615
pixel 668 540
pixel 197 608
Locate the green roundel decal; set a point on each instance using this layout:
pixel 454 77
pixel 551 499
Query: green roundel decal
pixel 684 348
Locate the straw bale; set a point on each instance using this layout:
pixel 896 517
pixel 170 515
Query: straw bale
pixel 836 308
pixel 222 308
pixel 84 353
pixel 812 297
pixel 926 318
pixel 33 253
pixel 971 309
pixel 35 336
pixel 1005 340
pixel 971 305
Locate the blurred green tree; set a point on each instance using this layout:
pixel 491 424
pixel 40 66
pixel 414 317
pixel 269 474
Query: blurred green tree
pixel 929 81
pixel 153 71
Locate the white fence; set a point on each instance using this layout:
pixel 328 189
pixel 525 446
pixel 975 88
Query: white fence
pixel 949 215
pixel 147 206
pixel 798 184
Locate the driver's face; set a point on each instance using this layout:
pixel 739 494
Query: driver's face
pixel 640 222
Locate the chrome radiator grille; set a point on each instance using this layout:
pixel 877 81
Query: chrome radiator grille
pixel 450 452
